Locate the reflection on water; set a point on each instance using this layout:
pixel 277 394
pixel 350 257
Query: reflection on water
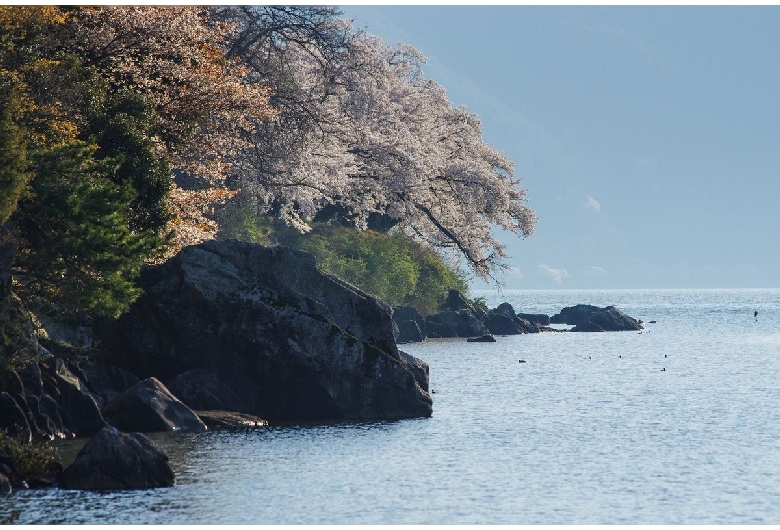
pixel 588 430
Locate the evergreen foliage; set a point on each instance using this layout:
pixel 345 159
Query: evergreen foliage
pixel 122 129
pixel 76 244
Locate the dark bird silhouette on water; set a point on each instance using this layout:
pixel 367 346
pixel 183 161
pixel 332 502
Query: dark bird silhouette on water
pixel 755 315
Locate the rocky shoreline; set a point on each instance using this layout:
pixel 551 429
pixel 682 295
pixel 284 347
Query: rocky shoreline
pixel 234 335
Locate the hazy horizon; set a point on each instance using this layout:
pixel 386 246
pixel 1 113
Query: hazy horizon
pixel 646 136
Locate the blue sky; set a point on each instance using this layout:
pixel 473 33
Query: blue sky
pixel 648 138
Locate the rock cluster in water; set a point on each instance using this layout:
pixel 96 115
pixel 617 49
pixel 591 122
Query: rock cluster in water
pixel 460 318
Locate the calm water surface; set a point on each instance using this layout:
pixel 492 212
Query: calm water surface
pixel 588 430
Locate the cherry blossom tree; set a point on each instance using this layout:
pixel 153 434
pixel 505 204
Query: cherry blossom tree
pixel 369 137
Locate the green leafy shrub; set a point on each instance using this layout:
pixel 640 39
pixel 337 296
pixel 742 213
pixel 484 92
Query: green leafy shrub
pixel 30 460
pixel 392 267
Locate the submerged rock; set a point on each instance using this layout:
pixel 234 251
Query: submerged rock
pixel 290 341
pixel 117 461
pixel 223 419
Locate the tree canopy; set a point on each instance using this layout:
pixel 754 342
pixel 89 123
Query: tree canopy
pixel 126 130
pixel 99 107
pixel 362 133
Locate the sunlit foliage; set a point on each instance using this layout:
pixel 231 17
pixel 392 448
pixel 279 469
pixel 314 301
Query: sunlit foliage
pixel 363 133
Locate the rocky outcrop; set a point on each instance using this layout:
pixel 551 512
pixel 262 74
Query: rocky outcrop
pixel 460 318
pixel 608 319
pixel 46 400
pixel 291 342
pixel 117 461
pixel 150 407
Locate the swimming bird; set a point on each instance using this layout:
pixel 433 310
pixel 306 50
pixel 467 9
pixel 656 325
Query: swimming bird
pixel 521 361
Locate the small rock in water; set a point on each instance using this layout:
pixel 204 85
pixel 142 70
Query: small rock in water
pixel 484 338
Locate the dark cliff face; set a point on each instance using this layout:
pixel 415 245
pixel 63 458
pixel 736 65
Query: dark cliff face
pixel 291 342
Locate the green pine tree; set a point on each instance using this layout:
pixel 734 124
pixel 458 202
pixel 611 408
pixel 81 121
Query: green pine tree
pixel 123 129
pixel 77 248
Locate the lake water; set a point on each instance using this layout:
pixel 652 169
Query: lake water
pixel 588 430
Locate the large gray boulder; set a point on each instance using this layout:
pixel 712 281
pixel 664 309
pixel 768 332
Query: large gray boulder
pixel 608 319
pixel 150 407
pixel 117 461
pixel 463 322
pixel 291 342
pixel 575 314
pixel 499 324
pixel 408 331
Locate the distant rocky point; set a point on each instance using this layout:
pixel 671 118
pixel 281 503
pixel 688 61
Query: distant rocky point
pixel 459 318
